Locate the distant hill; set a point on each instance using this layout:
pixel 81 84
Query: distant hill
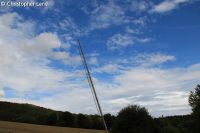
pixel 24 113
pixel 28 113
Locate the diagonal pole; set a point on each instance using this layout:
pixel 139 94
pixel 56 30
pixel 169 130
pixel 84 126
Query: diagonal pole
pixel 90 81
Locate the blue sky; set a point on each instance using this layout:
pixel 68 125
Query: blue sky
pixel 139 52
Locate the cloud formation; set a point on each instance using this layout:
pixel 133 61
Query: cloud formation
pixel 107 15
pixel 25 58
pixel 1 93
pixel 158 89
pixel 42 67
pixel 152 59
pixel 123 40
pixel 140 6
pixel 142 80
pixel 168 5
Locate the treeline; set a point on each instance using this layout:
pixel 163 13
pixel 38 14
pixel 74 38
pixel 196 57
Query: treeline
pixel 175 124
pixel 131 119
pixel 27 113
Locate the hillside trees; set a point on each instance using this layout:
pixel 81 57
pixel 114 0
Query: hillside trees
pixel 68 119
pixel 83 121
pixel 51 119
pixel 96 122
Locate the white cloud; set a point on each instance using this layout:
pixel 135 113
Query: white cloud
pixel 93 58
pixel 181 1
pixel 140 21
pixel 1 93
pixel 139 60
pixel 132 30
pixel 123 40
pixel 93 61
pixel 107 15
pixel 161 103
pixel 118 40
pixel 69 25
pixel 108 68
pixel 169 103
pixel 111 13
pixel 25 58
pixel 143 40
pixel 168 5
pixel 140 6
pixel 152 59
pixel 165 6
pixel 161 89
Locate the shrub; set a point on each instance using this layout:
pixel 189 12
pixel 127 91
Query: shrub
pixel 134 119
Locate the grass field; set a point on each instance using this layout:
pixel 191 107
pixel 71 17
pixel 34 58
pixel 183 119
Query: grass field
pixel 13 127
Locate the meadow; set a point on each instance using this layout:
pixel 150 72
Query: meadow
pixel 14 127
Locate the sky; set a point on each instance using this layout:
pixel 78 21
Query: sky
pixel 143 52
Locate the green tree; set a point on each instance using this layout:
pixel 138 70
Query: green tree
pixel 109 120
pixel 194 101
pixel 170 129
pixel 194 98
pixel 96 122
pixel 134 119
pixel 68 119
pixel 83 121
pixel 51 119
